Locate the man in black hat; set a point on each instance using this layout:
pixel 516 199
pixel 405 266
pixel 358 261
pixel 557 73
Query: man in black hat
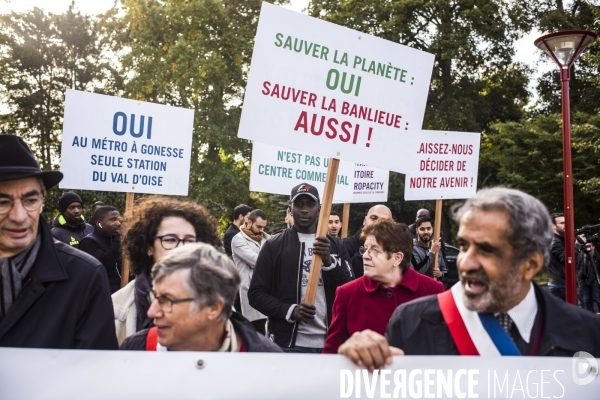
pixel 51 295
pixel 279 283
pixel 69 226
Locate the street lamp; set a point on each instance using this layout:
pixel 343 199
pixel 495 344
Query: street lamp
pixel 565 48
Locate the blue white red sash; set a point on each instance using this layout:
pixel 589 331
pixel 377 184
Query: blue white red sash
pixel 474 333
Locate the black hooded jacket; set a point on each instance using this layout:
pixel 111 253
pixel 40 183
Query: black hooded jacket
pixel 107 250
pixel 276 283
pixel 69 232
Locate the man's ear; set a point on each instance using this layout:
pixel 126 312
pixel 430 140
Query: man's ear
pixel 214 311
pixel 532 265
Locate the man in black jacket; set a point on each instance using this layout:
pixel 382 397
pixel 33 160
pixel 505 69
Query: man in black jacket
pixel 104 243
pixel 504 239
pixel 281 272
pixel 240 217
pixel 556 266
pixel 53 295
pixel 354 243
pixel 69 225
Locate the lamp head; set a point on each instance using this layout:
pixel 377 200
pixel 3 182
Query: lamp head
pixel 565 47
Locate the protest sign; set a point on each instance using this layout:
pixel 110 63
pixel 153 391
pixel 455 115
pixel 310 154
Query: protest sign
pixel 370 184
pixel 76 374
pixel 444 165
pixel 332 91
pixel 121 145
pixel 277 170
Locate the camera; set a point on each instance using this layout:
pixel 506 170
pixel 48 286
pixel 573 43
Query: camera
pixel 590 237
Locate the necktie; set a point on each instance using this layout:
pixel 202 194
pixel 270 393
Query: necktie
pixel 506 322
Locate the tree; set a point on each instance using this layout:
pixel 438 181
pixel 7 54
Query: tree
pixel 528 156
pixel 474 80
pixel 43 54
pixel 195 54
pixel 585 74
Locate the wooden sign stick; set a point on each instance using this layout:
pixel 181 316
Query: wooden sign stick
pixel 129 198
pixel 326 200
pixel 436 230
pixel 345 218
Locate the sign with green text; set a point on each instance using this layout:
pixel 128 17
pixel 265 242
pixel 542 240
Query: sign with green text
pixel 328 90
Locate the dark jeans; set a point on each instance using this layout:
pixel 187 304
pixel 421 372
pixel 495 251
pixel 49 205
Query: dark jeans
pixel 557 289
pixel 590 291
pixel 298 349
pixel 259 325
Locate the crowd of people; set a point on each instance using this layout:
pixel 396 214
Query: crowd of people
pixel 380 292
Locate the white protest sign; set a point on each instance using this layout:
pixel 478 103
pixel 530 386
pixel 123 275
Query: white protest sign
pixel 277 170
pixel 325 89
pixel 370 184
pixel 82 374
pixel 444 166
pixel 120 145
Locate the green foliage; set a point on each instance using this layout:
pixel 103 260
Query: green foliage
pixel 42 55
pixel 528 156
pixel 585 74
pixel 195 54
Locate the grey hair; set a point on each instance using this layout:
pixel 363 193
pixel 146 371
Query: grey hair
pixel 212 275
pixel 530 227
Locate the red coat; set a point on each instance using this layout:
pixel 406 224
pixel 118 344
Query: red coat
pixel 367 304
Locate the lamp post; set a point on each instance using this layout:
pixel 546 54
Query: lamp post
pixel 565 48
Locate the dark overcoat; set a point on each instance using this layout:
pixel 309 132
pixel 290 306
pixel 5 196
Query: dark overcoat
pixel 64 304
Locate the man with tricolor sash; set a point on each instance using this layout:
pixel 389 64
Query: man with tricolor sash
pixel 495 309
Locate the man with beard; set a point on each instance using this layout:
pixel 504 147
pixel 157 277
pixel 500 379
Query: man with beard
pixel 556 267
pixel 425 250
pixel 495 309
pixel 420 214
pixel 353 243
pixel 245 247
pixel 280 279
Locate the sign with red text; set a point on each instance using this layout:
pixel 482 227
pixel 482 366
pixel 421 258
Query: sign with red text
pixel 370 184
pixel 324 89
pixel 121 145
pixel 444 166
pixel 277 170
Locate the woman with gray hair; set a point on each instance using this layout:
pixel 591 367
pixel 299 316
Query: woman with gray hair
pixel 194 288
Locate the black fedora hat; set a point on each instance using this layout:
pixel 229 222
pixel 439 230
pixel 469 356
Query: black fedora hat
pixel 18 162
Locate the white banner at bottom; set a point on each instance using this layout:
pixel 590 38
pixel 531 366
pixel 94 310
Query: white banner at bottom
pixel 83 374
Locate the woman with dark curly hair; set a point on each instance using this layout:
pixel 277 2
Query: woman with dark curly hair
pixel 155 225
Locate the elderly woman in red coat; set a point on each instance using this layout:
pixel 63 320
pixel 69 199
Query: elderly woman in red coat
pixel 388 282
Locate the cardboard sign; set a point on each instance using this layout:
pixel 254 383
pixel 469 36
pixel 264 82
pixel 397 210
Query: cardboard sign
pixel 120 145
pixel 370 184
pixel 82 374
pixel 320 88
pixel 277 170
pixel 444 166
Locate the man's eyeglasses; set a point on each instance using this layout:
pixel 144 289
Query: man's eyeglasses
pixel 169 242
pixel 373 252
pixel 165 303
pixel 29 203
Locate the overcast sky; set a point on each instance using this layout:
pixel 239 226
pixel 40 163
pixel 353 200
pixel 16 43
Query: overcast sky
pixel 526 52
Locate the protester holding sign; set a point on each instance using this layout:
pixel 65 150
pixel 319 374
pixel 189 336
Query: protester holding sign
pixel 425 250
pixel 280 279
pixel 495 309
pixel 388 281
pixel 53 296
pixel 155 226
pixel 69 226
pixel 194 288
